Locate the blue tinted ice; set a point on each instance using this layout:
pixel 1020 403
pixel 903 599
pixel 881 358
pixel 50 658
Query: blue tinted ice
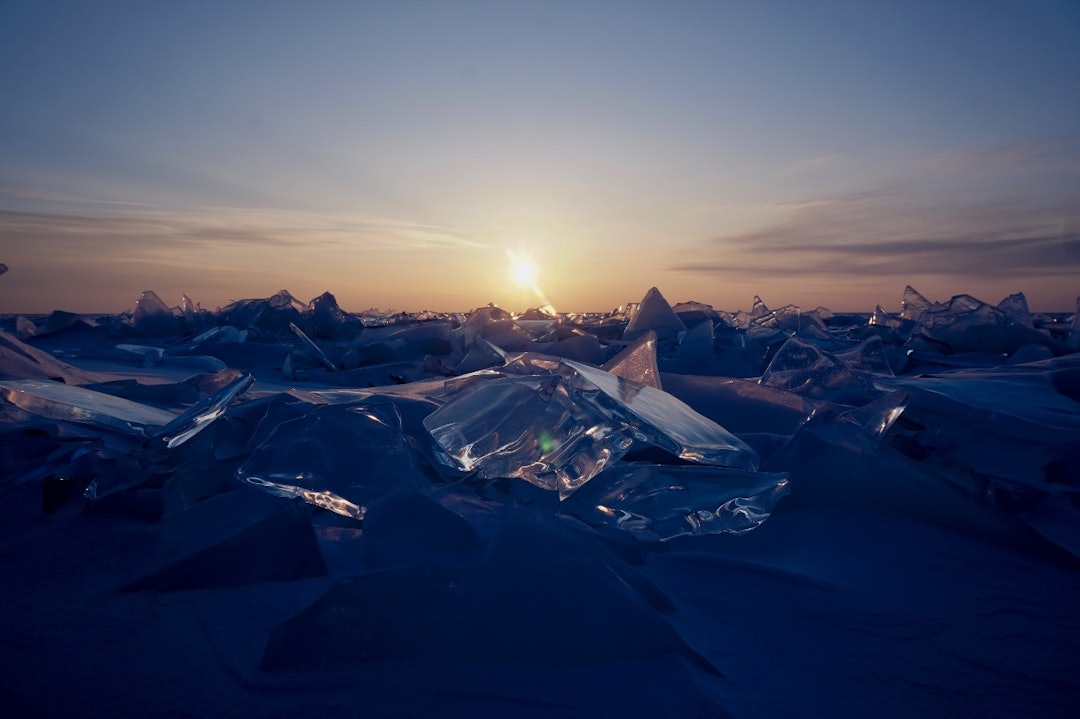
pixel 59 401
pixel 199 416
pixel 152 316
pixel 654 313
pixel 339 457
pixel 661 502
pixel 637 362
pixel 807 369
pixel 537 428
pixel 558 423
pixel 311 348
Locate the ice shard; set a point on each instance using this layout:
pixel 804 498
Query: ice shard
pixel 537 428
pixel 312 349
pixel 913 304
pixel 1015 306
pixel 654 313
pixel 697 344
pixel 637 362
pixel 207 410
pixel 560 423
pixel 868 356
pixel 152 317
pixel 59 401
pixel 804 368
pixel 661 502
pixel 338 457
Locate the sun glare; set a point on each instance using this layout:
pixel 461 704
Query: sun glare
pixel 525 274
pixel 522 270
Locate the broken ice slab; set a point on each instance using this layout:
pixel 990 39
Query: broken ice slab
pixel 661 502
pixel 637 362
pixel 313 349
pixel 660 419
pixel 539 428
pixel 200 415
pixel 338 457
pixel 59 401
pixel 560 423
pixel 654 313
pixel 809 370
pixel 152 317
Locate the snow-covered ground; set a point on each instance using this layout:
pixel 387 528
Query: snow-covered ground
pixel 658 511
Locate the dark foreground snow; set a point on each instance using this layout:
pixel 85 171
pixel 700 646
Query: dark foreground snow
pixel 660 511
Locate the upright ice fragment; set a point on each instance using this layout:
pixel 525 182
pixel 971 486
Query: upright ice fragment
pixel 338 457
pixel 637 362
pixel 538 428
pixel 654 313
pixel 152 317
pixel 660 419
pixel 559 423
pixel 313 349
pixel 199 417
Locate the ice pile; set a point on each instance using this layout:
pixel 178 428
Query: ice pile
pixel 442 466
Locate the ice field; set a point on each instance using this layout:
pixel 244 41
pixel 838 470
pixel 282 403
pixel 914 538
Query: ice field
pixel 284 509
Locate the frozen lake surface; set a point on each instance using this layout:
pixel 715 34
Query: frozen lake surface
pixel 285 509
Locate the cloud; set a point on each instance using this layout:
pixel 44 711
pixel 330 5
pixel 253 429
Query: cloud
pixel 218 228
pixel 896 234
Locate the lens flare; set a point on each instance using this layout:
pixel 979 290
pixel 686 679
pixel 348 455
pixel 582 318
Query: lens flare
pixel 524 273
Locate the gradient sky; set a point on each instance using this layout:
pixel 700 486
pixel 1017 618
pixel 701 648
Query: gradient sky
pixel 823 153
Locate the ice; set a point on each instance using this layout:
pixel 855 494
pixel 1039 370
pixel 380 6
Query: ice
pixel 804 368
pixel 661 502
pixel 967 324
pixel 944 477
pixel 697 344
pixel 59 401
pixel 637 362
pixel 1015 306
pixel 313 349
pixel 19 360
pixel 654 313
pixel 562 422
pixel 328 321
pixel 540 597
pixel 868 356
pixel 268 317
pixel 913 304
pixel 339 458
pixel 1074 328
pixel 25 327
pixel 207 410
pixel 232 541
pixel 540 429
pixel 152 317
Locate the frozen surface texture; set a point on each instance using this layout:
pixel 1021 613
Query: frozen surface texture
pixel 656 511
pixel 337 457
pixel 661 502
pixel 564 422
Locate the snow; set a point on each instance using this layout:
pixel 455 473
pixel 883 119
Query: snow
pixel 919 553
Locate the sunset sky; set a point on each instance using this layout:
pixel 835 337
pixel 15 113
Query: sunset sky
pixel 823 153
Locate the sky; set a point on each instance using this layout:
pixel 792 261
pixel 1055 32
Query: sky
pixel 398 153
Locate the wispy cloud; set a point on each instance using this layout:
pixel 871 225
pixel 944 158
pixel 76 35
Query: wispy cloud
pixel 223 227
pixel 889 233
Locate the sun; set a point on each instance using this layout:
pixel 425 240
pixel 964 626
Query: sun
pixel 523 270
